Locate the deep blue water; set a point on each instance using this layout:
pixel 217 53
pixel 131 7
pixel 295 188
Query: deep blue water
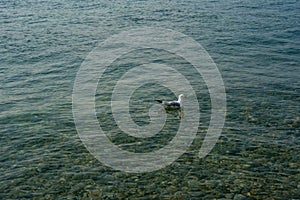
pixel 255 45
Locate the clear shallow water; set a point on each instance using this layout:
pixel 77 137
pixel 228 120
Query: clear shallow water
pixel 255 45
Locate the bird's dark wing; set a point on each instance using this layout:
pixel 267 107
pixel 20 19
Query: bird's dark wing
pixel 172 104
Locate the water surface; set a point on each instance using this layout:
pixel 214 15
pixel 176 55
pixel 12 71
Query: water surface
pixel 255 45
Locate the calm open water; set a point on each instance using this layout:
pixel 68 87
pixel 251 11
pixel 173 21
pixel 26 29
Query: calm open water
pixel 255 45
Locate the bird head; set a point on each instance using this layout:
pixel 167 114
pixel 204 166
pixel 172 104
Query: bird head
pixel 180 97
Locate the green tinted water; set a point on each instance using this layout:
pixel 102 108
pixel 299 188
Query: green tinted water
pixel 256 47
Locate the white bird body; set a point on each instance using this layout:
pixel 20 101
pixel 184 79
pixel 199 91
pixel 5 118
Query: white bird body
pixel 172 104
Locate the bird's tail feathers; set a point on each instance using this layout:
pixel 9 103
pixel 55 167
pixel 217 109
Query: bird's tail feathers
pixel 159 101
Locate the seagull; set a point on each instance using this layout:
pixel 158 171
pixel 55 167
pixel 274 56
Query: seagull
pixel 172 104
